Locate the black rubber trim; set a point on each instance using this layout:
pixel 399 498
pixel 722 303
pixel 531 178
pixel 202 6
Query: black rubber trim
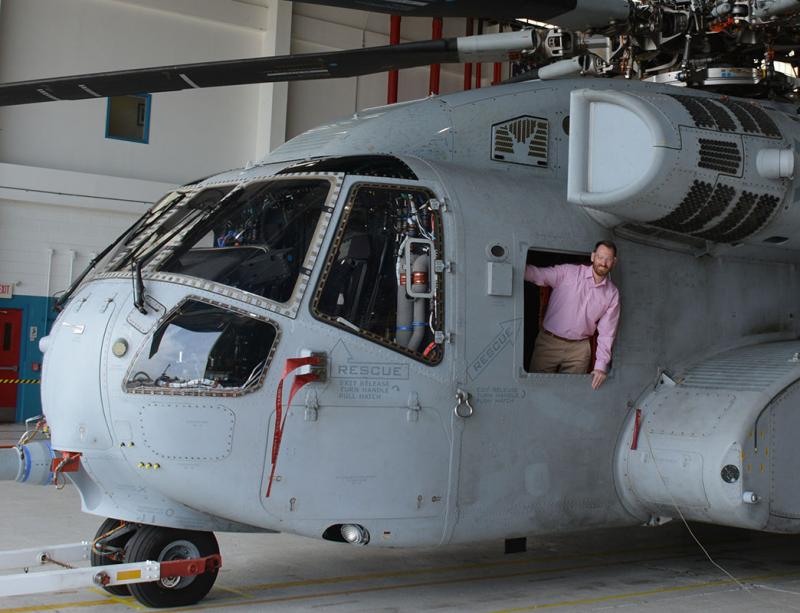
pixel 364 165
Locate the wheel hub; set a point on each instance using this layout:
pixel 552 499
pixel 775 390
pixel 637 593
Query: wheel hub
pixel 178 550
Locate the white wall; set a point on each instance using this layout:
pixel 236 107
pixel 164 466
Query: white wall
pixel 191 133
pixel 69 216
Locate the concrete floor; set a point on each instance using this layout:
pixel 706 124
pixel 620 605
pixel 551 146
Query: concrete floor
pixel 642 569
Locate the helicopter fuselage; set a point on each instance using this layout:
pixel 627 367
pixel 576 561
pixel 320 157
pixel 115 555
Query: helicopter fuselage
pixel 389 254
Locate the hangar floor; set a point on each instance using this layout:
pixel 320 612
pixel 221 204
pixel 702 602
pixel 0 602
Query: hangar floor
pixel 635 569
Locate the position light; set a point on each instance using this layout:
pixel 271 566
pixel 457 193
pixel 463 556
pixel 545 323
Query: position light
pixel 355 534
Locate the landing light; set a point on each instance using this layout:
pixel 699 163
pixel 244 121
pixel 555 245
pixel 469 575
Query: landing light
pixel 120 347
pixel 355 534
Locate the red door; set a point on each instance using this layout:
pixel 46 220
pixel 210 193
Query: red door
pixel 10 330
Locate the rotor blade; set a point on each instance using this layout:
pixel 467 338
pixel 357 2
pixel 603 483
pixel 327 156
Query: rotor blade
pixel 329 65
pixel 541 10
pixel 568 14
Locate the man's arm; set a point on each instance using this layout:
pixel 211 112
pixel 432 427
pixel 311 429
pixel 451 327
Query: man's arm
pixel 550 276
pixel 606 332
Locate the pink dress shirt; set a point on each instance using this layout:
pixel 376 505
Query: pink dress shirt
pixel 579 306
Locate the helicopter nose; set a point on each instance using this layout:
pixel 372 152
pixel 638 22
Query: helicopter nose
pixel 71 397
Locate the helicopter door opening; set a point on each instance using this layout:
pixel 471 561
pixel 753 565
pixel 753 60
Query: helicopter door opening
pixel 537 298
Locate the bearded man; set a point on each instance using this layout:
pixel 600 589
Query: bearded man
pixel 584 300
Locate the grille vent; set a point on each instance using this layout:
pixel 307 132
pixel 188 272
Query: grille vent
pixel 756 219
pixel 521 141
pixel 716 114
pixel 703 205
pixel 722 156
pixel 688 208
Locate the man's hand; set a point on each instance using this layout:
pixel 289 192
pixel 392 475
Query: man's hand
pixel 598 377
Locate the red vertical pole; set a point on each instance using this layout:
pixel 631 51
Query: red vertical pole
pixel 498 73
pixel 478 64
pixel 436 34
pixel 468 65
pixel 394 39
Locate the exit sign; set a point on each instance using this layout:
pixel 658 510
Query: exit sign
pixel 6 290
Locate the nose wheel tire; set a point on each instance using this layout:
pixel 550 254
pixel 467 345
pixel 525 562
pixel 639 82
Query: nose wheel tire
pixel 164 544
pixel 117 543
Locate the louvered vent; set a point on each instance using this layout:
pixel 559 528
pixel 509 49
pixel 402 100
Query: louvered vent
pixel 521 141
pixel 722 156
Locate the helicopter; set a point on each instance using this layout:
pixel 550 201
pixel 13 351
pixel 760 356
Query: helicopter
pixel 375 266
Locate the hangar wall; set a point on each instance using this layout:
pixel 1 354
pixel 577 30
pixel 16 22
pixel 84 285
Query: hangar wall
pixel 321 28
pixel 66 190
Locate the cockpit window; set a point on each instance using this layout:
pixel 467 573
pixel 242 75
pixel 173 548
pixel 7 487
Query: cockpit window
pixel 256 241
pixel 203 348
pixel 140 232
pixel 165 222
pixel 380 279
pixel 253 237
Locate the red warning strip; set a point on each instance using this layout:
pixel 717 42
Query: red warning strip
pixel 20 381
pixel 300 381
pixel 637 425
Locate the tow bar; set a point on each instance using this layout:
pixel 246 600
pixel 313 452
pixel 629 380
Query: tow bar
pixel 68 576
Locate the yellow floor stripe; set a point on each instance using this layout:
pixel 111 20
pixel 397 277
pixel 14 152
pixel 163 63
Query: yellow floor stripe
pixel 250 599
pixel 128 601
pixel 238 592
pixel 402 586
pixel 653 592
pixel 474 566
pixel 551 605
pixel 58 606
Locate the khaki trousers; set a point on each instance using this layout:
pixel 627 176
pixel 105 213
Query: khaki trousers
pixel 551 354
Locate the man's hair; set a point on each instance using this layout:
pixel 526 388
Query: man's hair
pixel 608 244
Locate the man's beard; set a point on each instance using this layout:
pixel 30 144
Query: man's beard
pixel 600 271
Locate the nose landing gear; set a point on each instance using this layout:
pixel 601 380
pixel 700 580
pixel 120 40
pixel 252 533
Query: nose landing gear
pixel 118 542
pixel 168 544
pixel 108 547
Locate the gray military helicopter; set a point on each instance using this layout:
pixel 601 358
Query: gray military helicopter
pixel 374 266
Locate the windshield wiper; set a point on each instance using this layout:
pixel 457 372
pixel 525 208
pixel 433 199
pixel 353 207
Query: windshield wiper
pixel 95 260
pixel 138 286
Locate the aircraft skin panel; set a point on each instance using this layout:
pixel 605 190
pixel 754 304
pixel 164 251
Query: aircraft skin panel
pixel 715 433
pixel 74 398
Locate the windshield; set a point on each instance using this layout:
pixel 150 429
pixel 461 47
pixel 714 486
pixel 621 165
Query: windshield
pixel 253 238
